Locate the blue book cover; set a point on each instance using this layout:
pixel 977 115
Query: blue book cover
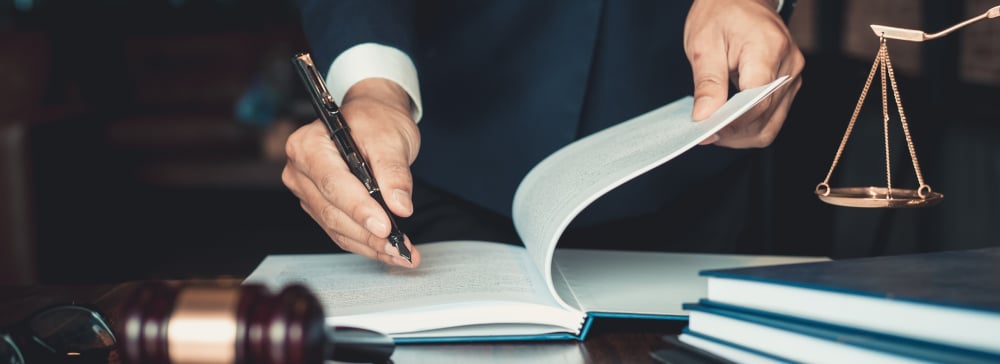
pixel 798 339
pixel 728 351
pixel 950 297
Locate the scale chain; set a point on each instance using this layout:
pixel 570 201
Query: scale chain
pixel 882 63
pixel 906 130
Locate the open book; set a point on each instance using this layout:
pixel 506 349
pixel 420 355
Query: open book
pixel 479 291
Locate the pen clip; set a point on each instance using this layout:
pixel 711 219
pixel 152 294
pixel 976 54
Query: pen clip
pixel 317 88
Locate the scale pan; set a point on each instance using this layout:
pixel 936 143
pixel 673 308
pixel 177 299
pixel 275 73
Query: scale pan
pixel 878 197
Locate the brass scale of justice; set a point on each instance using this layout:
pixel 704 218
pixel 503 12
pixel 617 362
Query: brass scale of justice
pixel 888 197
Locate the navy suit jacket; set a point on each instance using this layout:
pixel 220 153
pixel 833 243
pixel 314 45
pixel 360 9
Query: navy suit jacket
pixel 506 82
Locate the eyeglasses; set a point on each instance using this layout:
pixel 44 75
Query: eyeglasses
pixel 66 333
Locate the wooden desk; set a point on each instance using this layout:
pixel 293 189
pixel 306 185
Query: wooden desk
pixel 613 342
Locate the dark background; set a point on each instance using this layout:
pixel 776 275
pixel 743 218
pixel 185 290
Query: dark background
pixel 142 139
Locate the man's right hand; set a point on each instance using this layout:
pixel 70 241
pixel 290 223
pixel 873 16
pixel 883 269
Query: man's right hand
pixel 378 113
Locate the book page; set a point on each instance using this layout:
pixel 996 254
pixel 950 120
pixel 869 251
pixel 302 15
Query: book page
pixel 461 283
pixel 452 272
pixel 564 183
pixel 643 283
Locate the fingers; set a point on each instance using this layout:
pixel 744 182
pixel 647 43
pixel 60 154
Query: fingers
pixel 348 234
pixel 760 126
pixel 321 165
pixel 337 200
pixel 760 63
pixel 372 247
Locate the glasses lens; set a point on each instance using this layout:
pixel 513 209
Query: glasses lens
pixel 8 351
pixel 72 330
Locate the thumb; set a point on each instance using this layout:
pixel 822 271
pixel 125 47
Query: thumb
pixel 711 82
pixel 397 188
pixel 391 166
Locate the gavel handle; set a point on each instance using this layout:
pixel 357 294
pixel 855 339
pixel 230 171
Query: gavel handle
pixel 356 345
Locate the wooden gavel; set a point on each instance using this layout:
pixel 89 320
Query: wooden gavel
pixel 247 324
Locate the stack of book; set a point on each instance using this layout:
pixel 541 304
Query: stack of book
pixel 936 307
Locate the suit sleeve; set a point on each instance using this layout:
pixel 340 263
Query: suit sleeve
pixel 333 26
pixel 785 10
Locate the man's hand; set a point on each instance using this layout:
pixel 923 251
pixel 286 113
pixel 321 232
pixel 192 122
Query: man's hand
pixel 744 42
pixel 378 113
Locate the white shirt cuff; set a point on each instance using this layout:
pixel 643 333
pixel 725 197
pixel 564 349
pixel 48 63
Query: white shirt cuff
pixel 373 60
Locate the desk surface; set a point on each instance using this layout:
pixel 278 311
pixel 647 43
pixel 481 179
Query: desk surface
pixel 616 342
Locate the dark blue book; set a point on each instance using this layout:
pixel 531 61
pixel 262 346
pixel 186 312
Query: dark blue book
pixel 952 297
pixel 772 337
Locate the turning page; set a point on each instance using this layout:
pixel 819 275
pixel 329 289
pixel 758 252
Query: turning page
pixel 566 182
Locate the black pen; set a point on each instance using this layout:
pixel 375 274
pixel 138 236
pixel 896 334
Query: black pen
pixel 329 112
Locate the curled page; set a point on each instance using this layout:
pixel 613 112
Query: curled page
pixel 566 182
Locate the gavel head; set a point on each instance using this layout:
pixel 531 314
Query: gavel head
pixel 165 324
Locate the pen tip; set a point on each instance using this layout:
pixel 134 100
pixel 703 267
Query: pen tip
pixel 397 241
pixel 405 253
